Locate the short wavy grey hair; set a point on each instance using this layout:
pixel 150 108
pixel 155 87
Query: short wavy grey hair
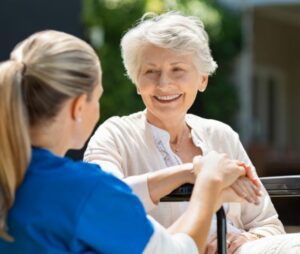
pixel 171 30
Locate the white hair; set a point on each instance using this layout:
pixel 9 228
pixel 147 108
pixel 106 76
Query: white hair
pixel 170 30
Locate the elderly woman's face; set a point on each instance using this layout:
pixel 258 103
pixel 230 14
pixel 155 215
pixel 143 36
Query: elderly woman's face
pixel 168 82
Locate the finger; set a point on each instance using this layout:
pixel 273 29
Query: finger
pixel 249 184
pixel 249 189
pixel 229 239
pixel 197 162
pixel 212 247
pixel 207 247
pixel 241 164
pixel 238 189
pixel 190 167
pixel 244 187
pixel 235 172
pixel 250 173
pixel 252 190
pixel 243 171
pixel 235 244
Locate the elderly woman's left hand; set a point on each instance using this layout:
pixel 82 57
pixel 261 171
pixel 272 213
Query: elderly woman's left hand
pixel 234 241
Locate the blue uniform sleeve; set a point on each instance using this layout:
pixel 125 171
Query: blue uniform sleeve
pixel 113 219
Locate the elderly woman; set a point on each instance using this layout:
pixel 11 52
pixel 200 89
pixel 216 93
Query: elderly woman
pixel 168 59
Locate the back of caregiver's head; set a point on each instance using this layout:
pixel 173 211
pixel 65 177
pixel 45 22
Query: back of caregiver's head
pixel 43 72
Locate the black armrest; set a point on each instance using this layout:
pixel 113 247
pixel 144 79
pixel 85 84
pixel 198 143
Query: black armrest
pixel 183 193
pixel 282 186
pixel 277 186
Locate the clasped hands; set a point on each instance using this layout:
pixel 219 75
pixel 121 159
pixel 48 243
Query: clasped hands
pixel 245 188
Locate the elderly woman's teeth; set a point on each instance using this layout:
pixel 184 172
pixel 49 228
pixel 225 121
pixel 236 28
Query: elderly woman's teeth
pixel 168 97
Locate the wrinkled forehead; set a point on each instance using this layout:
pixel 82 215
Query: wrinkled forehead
pixel 152 55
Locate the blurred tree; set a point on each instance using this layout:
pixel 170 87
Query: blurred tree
pixel 107 20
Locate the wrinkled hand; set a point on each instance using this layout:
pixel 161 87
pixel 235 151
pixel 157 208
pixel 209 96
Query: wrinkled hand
pixel 246 189
pixel 234 241
pixel 237 240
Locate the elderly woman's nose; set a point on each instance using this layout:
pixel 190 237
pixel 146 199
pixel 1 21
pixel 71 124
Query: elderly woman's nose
pixel 164 79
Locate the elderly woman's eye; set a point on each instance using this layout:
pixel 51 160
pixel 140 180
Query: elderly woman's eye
pixel 177 69
pixel 150 71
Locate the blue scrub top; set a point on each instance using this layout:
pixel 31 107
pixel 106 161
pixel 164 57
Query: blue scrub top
pixel 74 207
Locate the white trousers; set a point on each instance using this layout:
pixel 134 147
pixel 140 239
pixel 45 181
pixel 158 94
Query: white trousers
pixel 277 244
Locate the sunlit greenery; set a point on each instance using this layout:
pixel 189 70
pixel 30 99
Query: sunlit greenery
pixel 105 21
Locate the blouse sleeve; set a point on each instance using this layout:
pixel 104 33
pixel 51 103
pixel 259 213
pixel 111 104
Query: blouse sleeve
pixel 262 219
pixel 104 150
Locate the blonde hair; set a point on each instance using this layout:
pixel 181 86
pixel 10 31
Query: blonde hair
pixel 171 30
pixel 43 71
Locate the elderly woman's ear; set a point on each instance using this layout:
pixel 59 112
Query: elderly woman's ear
pixel 203 83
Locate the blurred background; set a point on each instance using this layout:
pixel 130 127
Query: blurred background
pixel 256 88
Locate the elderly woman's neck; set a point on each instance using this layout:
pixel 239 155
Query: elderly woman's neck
pixel 178 132
pixel 175 127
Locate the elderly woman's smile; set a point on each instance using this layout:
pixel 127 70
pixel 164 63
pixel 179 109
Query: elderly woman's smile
pixel 167 98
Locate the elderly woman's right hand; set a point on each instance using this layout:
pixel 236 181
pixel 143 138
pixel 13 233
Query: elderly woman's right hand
pixel 231 176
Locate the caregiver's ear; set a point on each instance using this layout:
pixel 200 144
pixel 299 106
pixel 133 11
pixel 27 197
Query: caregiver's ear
pixel 77 107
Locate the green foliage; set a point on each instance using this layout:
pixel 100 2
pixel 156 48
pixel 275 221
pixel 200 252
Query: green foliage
pixel 106 21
